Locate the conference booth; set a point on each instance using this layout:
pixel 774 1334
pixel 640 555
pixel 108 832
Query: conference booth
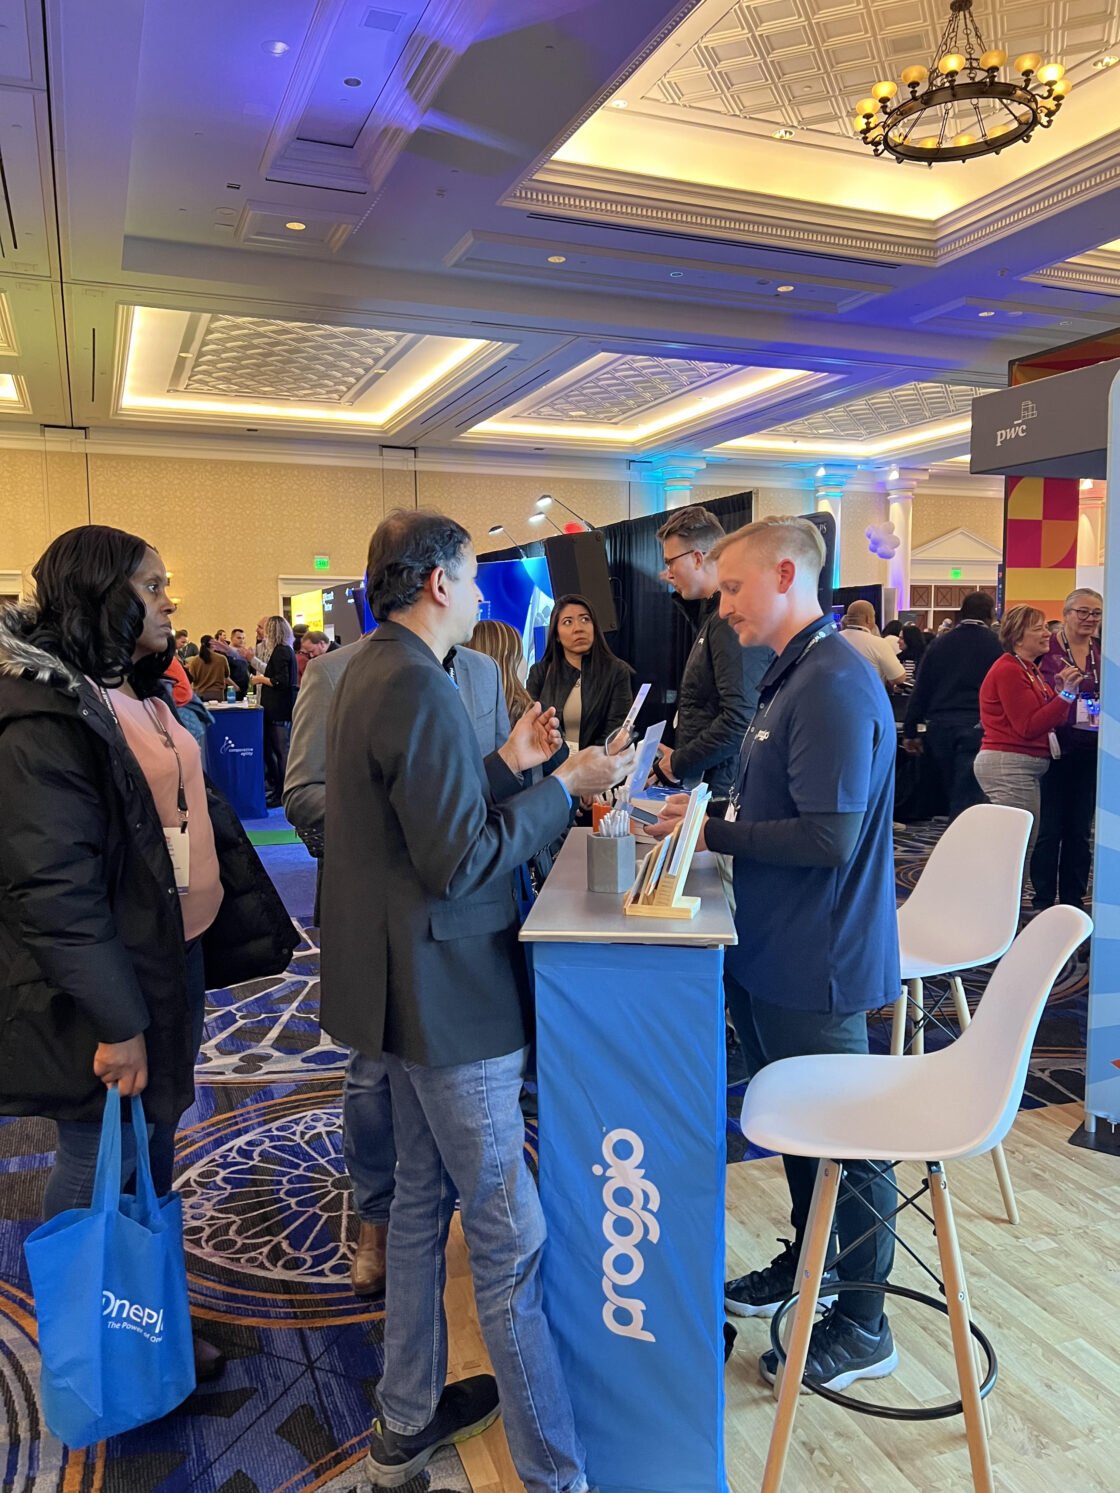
pixel 1066 425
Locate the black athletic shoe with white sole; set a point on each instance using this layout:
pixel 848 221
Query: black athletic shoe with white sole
pixel 762 1292
pixel 840 1352
pixel 465 1409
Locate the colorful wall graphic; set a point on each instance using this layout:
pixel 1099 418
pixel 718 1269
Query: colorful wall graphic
pixel 1040 542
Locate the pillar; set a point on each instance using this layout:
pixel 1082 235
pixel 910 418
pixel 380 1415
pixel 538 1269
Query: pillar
pixel 900 512
pixel 828 498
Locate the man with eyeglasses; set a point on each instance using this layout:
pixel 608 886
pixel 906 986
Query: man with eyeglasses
pixel 719 687
pixel 1062 857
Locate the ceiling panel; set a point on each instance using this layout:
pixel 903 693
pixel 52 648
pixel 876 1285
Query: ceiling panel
pixel 885 413
pixel 804 63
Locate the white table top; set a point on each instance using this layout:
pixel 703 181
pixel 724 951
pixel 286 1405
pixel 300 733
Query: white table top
pixel 566 912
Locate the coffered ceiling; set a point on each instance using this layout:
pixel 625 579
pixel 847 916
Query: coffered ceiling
pixel 803 64
pixel 559 228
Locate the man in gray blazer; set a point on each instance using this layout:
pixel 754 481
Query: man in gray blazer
pixel 367 1111
pixel 422 967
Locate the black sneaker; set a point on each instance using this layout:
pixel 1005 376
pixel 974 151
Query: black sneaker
pixel 729 1336
pixel 465 1409
pixel 762 1292
pixel 840 1352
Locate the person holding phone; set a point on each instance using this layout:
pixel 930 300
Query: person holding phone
pixel 1063 852
pixel 1021 711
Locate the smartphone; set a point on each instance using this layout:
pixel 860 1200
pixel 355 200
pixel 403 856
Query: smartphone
pixel 643 816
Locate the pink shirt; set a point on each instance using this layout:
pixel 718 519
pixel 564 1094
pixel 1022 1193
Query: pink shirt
pixel 157 762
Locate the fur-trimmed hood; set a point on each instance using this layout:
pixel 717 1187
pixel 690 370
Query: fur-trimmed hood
pixel 21 659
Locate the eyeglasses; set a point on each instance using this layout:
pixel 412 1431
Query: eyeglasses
pixel 1087 614
pixel 671 560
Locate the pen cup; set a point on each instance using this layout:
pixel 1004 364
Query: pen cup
pixel 611 864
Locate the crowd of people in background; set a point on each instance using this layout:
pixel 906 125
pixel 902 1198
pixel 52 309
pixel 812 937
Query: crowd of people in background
pixel 422 972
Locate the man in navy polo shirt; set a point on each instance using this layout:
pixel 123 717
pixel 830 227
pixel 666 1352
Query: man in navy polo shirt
pixel 813 856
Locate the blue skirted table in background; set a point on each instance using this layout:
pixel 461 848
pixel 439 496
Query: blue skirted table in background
pixel 633 1114
pixel 235 757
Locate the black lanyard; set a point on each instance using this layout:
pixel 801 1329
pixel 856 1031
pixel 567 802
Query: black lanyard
pixel 763 711
pixel 168 741
pixel 1063 644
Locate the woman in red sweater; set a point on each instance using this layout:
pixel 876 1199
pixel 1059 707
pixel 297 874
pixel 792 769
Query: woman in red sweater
pixel 1020 713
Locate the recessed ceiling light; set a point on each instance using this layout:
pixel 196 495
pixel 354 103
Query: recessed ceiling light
pixel 275 48
pixel 676 274
pixel 295 226
pixel 557 259
pixel 184 355
pixel 985 313
pixel 619 103
pixel 784 134
pixel 352 82
pixel 785 289
pixel 1108 61
pixel 536 518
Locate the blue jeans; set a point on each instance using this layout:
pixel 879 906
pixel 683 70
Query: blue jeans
pixel 70 1184
pixel 460 1130
pixel 367 1137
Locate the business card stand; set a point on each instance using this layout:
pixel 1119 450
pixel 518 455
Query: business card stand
pixel 656 893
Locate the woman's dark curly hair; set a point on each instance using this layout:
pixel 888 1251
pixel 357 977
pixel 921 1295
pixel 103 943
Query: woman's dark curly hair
pixel 87 612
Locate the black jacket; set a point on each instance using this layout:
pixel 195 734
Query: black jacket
pixel 607 696
pixel 947 686
pixel 91 935
pixel 419 937
pixel 278 697
pixel 717 701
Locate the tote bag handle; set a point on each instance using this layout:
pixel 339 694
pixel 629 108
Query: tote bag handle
pixel 107 1179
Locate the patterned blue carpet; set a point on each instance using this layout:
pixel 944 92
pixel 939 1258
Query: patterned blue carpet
pixel 268 1218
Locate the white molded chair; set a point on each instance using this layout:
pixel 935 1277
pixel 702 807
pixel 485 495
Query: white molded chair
pixel 963 913
pixel 957 1102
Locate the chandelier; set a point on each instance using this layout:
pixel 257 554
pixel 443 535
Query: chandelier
pixel 959 107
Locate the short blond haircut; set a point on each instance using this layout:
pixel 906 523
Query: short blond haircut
pixel 784 536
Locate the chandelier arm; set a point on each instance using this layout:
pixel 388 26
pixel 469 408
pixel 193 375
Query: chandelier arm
pixel 979 119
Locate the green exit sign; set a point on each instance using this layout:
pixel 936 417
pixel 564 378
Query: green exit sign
pixel 954 574
pixel 322 562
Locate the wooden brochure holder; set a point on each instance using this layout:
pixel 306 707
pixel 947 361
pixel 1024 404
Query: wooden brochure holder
pixel 658 891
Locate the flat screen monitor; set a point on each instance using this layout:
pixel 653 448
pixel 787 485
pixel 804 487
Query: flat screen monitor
pixel 518 592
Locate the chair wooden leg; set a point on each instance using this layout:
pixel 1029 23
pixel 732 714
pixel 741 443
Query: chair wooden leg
pixel 1003 1173
pixel 810 1268
pixel 956 1299
pixel 898 1025
pixel 918 1012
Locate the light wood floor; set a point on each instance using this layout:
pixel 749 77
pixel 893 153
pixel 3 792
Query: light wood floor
pixel 1047 1293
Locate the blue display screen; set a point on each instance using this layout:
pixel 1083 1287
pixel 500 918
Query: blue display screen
pixel 518 592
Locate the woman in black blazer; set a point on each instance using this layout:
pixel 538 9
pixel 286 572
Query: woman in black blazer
pixel 278 685
pixel 581 677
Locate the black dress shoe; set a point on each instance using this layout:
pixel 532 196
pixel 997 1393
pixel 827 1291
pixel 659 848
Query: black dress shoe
pixel 209 1362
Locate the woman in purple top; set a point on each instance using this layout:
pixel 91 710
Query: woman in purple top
pixel 1062 855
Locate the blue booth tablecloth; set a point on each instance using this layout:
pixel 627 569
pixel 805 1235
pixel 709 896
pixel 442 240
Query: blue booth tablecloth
pixel 235 757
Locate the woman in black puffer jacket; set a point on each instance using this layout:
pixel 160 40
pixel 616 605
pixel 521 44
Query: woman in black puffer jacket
pixel 105 952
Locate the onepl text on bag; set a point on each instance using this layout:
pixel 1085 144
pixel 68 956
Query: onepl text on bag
pixel 622 1262
pixel 131 1316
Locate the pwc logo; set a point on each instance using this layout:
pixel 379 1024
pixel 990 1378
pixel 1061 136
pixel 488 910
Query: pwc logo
pixel 622 1261
pixel 1028 411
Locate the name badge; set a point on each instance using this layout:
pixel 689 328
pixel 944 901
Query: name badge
pixel 179 849
pixel 1088 712
pixel 1055 745
pixel 731 813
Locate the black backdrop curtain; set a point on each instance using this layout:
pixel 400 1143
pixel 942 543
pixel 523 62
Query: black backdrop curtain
pixel 654 634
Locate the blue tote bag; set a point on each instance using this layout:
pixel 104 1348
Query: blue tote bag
pixel 110 1288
